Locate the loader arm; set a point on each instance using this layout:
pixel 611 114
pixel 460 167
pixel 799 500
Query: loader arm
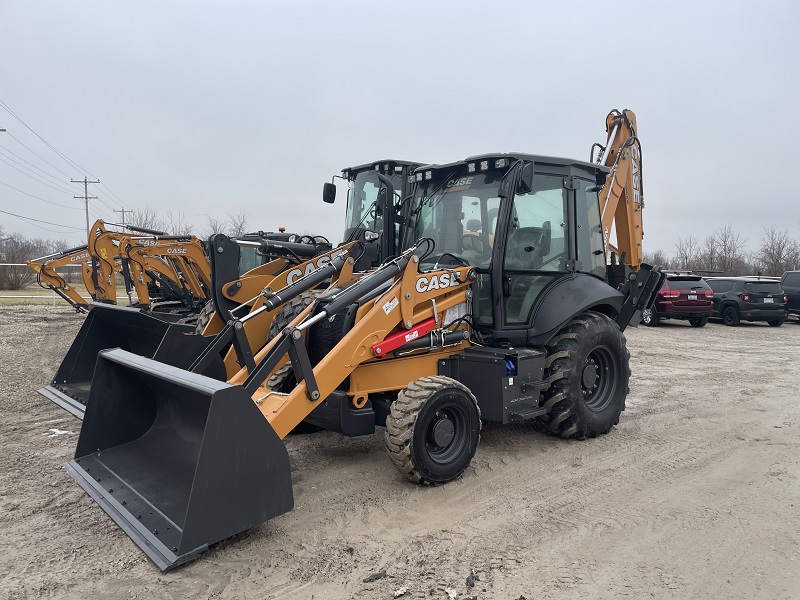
pixel 622 196
pixel 402 307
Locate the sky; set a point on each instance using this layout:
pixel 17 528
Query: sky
pixel 212 108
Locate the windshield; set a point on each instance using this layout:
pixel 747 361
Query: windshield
pixel 459 213
pixel 361 202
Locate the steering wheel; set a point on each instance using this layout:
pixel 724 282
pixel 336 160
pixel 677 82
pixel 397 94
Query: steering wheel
pixel 473 242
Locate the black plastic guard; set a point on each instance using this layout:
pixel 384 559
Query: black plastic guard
pixel 178 460
pixel 110 326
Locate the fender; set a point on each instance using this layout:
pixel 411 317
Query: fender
pixel 567 298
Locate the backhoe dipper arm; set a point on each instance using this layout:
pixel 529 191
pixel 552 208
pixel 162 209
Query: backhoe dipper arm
pixel 622 199
pixel 47 275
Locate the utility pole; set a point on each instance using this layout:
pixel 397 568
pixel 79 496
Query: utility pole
pixel 86 197
pixel 123 211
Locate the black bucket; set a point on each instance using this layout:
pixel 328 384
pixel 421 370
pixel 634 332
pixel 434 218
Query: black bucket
pixel 178 460
pixel 110 326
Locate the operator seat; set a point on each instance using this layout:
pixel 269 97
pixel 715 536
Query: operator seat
pixel 525 248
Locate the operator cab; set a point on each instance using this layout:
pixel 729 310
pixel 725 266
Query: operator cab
pixel 372 217
pixel 528 224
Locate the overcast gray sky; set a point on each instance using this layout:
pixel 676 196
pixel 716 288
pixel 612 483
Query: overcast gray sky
pixel 215 107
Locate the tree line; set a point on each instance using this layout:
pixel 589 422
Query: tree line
pixel 725 253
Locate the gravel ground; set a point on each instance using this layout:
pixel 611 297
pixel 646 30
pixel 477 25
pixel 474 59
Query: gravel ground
pixel 694 495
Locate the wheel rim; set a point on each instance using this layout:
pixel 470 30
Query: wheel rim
pixel 446 434
pixel 599 378
pixel 729 315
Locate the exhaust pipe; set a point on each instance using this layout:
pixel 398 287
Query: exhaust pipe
pixel 178 460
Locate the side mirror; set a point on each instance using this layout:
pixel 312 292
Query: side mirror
pixel 328 193
pixel 525 183
pixel 600 178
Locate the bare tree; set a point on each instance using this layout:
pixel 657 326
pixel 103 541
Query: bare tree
pixel 176 223
pixel 237 223
pixel 214 225
pixel 657 258
pixel 146 218
pixel 687 254
pixel 709 260
pixel 732 257
pixel 16 249
pixel 778 252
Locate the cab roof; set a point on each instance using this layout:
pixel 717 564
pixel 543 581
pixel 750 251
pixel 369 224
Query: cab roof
pixel 514 156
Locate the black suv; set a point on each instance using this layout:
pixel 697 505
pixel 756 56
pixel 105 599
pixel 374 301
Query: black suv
pixel 790 282
pixel 682 296
pixel 748 299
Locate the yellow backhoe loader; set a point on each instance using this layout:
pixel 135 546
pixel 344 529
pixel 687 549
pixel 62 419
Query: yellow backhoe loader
pixel 498 309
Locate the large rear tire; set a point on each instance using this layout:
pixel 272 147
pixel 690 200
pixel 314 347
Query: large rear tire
pixel 588 367
pixel 433 430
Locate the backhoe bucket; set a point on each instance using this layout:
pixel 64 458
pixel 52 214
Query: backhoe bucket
pixel 178 460
pixel 110 326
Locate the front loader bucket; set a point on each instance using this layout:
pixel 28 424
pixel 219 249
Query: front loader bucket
pixel 178 460
pixel 110 326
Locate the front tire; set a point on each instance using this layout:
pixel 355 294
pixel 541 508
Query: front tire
pixel 730 316
pixel 775 322
pixel 698 322
pixel 588 367
pixel 433 429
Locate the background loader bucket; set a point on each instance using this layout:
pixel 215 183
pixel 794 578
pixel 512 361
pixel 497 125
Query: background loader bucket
pixel 178 460
pixel 110 326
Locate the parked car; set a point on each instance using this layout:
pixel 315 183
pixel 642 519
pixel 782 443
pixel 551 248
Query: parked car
pixel 682 296
pixel 790 282
pixel 748 299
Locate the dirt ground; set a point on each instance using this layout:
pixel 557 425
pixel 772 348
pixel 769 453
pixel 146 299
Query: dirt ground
pixel 696 494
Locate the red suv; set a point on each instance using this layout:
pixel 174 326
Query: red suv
pixel 685 297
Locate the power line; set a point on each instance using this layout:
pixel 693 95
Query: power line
pixel 68 160
pixel 5 212
pixel 38 198
pixel 33 175
pixel 53 177
pixel 35 154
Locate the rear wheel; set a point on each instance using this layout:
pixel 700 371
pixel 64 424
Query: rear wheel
pixel 588 370
pixel 730 316
pixel 433 429
pixel 775 322
pixel 649 317
pixel 698 322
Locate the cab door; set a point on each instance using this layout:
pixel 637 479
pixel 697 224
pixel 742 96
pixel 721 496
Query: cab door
pixel 536 247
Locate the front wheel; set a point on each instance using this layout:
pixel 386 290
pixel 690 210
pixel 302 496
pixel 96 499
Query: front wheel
pixel 588 367
pixel 698 322
pixel 432 430
pixel 730 316
pixel 775 322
